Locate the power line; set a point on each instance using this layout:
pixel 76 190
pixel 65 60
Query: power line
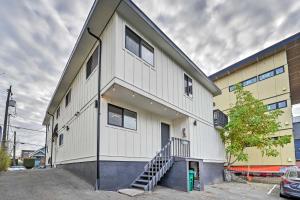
pixel 28 129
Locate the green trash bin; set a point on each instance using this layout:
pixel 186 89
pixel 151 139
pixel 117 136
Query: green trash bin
pixel 191 179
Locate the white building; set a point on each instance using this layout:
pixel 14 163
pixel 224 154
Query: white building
pixel 150 92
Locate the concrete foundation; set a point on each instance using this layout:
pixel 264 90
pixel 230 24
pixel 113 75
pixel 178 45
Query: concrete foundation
pixel 114 175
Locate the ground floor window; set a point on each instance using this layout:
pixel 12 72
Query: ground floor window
pixel 122 117
pixel 61 139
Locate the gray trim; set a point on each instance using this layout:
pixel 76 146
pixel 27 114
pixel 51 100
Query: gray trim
pixel 275 48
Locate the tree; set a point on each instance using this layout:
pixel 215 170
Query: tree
pixel 251 125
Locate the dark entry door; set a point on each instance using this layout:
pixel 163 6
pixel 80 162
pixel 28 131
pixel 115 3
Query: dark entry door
pixel 165 134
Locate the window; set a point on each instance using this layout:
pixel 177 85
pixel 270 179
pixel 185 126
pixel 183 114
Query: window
pixel 61 139
pixel 129 119
pixel 249 81
pixel 266 75
pixel 138 46
pixel 277 105
pixel 121 117
pixel 232 88
pixel 271 106
pixel 147 53
pixel 115 115
pixel 92 62
pixel 279 70
pixel 68 98
pixel 188 85
pixel 132 42
pixel 281 104
pixel 58 112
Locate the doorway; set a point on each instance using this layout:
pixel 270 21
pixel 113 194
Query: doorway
pixel 165 134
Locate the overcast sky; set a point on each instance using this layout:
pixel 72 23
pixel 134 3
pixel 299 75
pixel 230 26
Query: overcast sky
pixel 38 36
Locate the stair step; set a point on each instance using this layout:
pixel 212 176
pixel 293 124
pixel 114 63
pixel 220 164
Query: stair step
pixel 142 181
pixel 145 176
pixel 138 185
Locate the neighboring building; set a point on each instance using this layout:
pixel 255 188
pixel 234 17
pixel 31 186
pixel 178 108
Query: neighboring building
pixel 26 153
pixel 296 130
pixel 153 99
pixel 273 76
pixel 39 157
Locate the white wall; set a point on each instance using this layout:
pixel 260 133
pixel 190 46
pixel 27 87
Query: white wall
pixel 165 79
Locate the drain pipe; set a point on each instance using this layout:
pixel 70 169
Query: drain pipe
pixel 51 139
pixel 98 104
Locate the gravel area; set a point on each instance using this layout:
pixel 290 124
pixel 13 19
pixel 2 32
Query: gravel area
pixel 58 184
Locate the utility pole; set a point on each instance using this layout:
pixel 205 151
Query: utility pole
pixel 14 152
pixel 3 143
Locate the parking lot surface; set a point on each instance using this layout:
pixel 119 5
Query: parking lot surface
pixel 58 184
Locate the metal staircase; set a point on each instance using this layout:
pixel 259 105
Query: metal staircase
pixel 161 163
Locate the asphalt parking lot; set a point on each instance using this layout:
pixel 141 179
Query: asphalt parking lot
pixel 60 184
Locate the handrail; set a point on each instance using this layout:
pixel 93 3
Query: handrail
pixel 176 147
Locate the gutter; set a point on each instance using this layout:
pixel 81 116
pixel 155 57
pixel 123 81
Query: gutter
pixel 98 105
pixel 51 138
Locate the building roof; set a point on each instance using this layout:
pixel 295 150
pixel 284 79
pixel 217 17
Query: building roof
pixel 99 16
pixel 275 48
pixel 39 152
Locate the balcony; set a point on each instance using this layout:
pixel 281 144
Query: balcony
pixel 220 119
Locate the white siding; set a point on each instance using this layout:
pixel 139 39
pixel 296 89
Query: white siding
pixel 79 141
pixel 163 80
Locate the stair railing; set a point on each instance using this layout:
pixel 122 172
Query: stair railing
pixel 181 147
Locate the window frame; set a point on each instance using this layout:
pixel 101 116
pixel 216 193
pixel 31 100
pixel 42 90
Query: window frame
pixel 68 101
pixel 141 42
pixel 123 109
pixel 91 58
pixel 188 92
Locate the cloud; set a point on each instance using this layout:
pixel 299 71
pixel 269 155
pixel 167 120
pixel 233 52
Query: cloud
pixel 36 42
pixel 37 38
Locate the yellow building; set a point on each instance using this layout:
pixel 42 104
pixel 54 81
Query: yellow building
pixel 273 76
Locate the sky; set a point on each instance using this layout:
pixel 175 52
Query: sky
pixel 37 38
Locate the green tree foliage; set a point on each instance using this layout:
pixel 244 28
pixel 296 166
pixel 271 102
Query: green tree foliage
pixel 4 160
pixel 251 125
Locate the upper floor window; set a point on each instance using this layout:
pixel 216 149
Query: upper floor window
pixel 232 88
pixel 61 139
pixel 92 62
pixel 277 105
pixel 271 73
pixel 138 46
pixel 68 98
pixel 249 81
pixel 121 117
pixel 58 112
pixel 188 85
pixel 279 70
pixel 266 75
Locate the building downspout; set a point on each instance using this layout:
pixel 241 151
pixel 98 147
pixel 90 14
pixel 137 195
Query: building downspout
pixel 46 138
pixel 51 139
pixel 98 104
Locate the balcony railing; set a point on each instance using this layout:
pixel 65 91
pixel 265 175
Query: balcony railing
pixel 220 119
